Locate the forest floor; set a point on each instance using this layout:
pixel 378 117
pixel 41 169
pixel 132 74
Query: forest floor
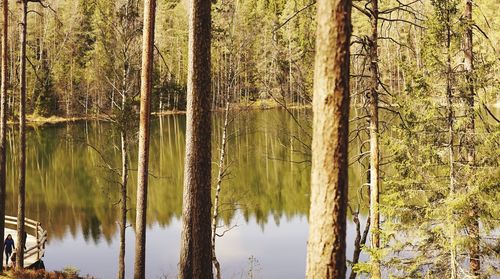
pixel 42 274
pixel 261 104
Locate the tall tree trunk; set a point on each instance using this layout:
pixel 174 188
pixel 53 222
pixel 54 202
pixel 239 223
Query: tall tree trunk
pixel 123 209
pixel 220 176
pixel 143 160
pixel 123 190
pixel 3 124
pixel 196 248
pixel 374 142
pixel 22 137
pixel 327 218
pixel 473 226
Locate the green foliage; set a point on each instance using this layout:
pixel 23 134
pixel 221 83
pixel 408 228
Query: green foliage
pixel 425 219
pixel 46 101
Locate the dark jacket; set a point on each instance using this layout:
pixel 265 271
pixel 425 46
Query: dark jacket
pixel 9 245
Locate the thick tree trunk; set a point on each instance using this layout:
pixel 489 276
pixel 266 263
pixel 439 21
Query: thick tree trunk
pixel 327 218
pixel 196 248
pixel 22 137
pixel 220 176
pixel 3 124
pixel 374 142
pixel 473 226
pixel 143 160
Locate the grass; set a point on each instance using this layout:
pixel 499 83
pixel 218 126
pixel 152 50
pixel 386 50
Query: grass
pixel 40 120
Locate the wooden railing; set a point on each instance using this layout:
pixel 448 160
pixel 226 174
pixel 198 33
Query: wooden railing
pixel 37 231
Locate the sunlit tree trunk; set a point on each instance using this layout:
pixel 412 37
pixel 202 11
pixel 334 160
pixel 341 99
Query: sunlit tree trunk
pixel 327 217
pixel 3 124
pixel 473 226
pixel 144 118
pixel 22 138
pixel 196 248
pixel 374 141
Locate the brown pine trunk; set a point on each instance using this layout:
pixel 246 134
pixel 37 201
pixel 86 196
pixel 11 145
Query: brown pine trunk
pixel 22 137
pixel 473 227
pixel 144 118
pixel 3 124
pixel 374 142
pixel 327 218
pixel 196 247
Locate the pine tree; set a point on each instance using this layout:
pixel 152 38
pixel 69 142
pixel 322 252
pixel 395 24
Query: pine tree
pixel 327 218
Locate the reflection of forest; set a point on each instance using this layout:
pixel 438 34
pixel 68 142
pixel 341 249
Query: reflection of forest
pixel 69 187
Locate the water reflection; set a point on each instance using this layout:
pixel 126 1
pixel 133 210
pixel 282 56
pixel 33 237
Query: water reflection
pixel 72 190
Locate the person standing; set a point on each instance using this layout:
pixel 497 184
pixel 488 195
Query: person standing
pixel 25 237
pixel 8 247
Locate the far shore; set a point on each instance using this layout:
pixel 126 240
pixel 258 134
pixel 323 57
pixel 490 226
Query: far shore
pixel 36 120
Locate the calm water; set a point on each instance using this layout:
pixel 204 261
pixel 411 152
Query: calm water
pixel 266 196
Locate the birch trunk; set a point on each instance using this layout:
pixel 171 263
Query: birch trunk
pixel 374 143
pixel 124 182
pixel 220 176
pixel 123 207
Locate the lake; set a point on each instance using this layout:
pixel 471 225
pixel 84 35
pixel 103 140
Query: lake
pixel 265 198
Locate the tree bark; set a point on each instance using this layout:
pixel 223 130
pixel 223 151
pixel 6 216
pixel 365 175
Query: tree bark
pixel 374 142
pixel 143 160
pixel 327 218
pixel 473 226
pixel 22 138
pixel 3 124
pixel 196 247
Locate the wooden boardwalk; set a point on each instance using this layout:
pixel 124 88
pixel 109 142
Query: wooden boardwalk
pixel 35 243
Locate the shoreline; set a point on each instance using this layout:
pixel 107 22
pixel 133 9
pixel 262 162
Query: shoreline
pixel 33 120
